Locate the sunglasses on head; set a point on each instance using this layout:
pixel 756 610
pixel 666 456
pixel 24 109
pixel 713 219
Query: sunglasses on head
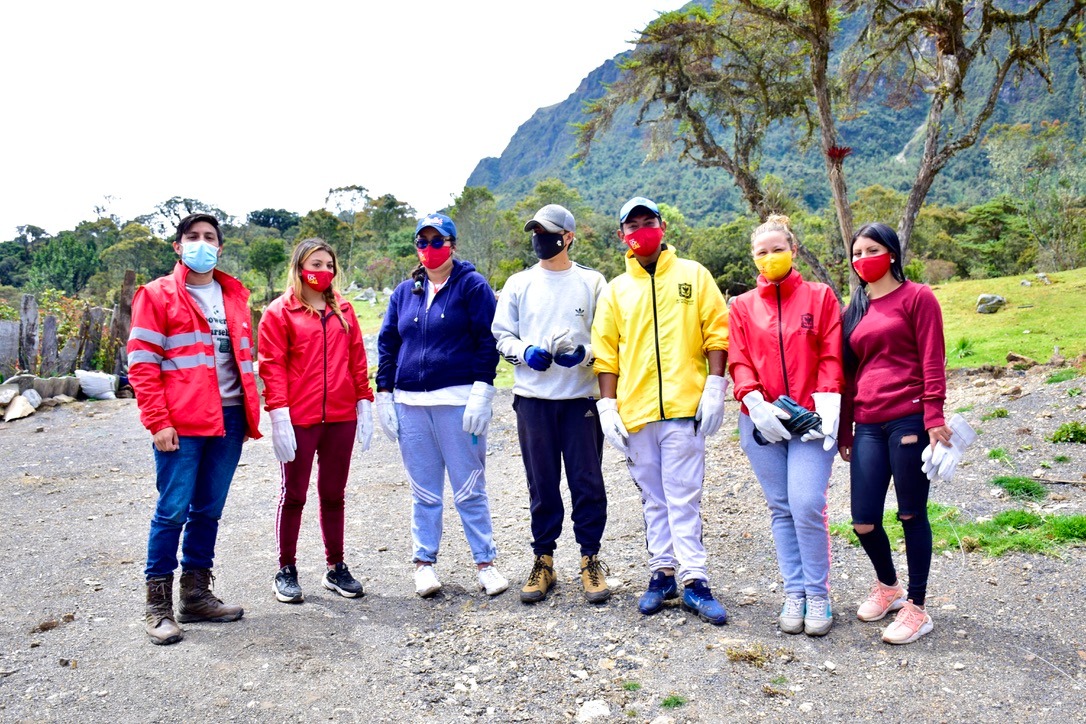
pixel 437 242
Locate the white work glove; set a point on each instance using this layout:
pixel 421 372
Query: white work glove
pixel 766 417
pixel 611 422
pixel 477 412
pixel 562 343
pixel 363 433
pixel 941 462
pixel 828 407
pixel 386 415
pixel 283 435
pixel 711 406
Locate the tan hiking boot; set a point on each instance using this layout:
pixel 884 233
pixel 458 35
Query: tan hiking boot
pixel 198 603
pixel 160 624
pixel 540 580
pixel 594 579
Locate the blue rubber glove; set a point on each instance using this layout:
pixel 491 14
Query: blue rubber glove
pixel 538 358
pixel 570 359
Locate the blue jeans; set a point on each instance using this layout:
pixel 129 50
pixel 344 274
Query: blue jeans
pixel 192 485
pixel 795 476
pixel 432 440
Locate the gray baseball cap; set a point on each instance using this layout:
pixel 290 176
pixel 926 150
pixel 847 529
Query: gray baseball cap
pixel 553 219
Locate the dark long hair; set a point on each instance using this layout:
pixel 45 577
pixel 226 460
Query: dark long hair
pixel 858 305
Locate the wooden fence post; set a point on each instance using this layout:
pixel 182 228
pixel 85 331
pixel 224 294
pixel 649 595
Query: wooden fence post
pixel 9 348
pixel 68 356
pixel 28 333
pixel 122 323
pixel 93 318
pixel 49 356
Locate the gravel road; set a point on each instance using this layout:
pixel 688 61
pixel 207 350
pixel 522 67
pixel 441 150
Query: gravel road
pixel 77 482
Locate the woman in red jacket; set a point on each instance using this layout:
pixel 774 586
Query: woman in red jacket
pixel 786 342
pixel 317 392
pixel 895 365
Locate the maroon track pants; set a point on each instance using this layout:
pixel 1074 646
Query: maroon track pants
pixel 331 443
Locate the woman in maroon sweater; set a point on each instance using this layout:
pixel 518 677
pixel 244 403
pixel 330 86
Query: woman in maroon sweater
pixel 895 384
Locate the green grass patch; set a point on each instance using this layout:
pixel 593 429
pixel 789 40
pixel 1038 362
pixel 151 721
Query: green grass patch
pixel 999 454
pixel 1061 376
pixel 370 316
pixel 1070 432
pixel 631 686
pixel 1021 488
pixel 999 412
pixel 1011 530
pixel 1052 313
pixel 1061 459
pixel 964 409
pixel 674 701
pixel 1074 392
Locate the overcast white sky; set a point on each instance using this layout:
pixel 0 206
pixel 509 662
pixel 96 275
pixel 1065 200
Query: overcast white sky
pixel 247 105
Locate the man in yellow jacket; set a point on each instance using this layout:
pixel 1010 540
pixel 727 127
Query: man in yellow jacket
pixel 660 336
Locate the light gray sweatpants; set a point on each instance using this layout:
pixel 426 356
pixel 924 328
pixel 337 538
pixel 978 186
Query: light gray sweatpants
pixel 795 476
pixel 667 462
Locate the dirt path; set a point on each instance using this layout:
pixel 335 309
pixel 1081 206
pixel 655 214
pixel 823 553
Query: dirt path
pixel 1009 642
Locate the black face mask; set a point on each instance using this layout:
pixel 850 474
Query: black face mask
pixel 547 245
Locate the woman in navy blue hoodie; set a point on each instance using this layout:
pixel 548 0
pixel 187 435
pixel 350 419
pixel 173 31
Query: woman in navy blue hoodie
pixel 436 364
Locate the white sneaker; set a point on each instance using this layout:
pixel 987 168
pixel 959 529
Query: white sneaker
pixel 426 583
pixel 491 581
pixel 791 619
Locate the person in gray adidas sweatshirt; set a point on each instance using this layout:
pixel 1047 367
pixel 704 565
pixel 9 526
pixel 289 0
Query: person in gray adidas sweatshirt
pixel 543 327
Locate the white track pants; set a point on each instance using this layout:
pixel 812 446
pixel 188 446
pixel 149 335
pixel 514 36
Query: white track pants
pixel 667 462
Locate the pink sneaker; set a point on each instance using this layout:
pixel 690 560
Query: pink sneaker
pixel 911 623
pixel 882 600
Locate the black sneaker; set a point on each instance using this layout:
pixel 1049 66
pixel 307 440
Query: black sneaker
pixel 340 580
pixel 287 589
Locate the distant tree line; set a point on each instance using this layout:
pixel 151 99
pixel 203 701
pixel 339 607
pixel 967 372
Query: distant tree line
pixel 1037 223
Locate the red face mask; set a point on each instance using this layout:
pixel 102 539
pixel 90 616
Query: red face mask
pixel 872 268
pixel 318 280
pixel 645 241
pixel 432 258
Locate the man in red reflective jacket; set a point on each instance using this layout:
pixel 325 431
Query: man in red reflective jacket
pixel 190 362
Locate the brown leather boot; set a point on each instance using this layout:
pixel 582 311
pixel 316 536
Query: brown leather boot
pixel 594 578
pixel 159 623
pixel 198 603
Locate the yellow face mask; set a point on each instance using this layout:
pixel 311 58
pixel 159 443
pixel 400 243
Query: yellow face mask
pixel 775 266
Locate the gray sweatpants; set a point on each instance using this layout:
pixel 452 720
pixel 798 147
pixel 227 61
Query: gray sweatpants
pixel 795 476
pixel 667 462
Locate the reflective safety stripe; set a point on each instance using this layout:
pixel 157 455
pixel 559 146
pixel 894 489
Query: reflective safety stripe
pixel 140 355
pixel 245 343
pixel 187 338
pixel 187 362
pixel 147 335
pixel 247 367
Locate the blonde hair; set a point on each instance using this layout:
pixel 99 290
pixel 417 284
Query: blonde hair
pixel 775 222
pixel 305 249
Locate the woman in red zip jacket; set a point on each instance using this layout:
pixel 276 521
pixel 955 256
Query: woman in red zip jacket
pixel 317 392
pixel 786 340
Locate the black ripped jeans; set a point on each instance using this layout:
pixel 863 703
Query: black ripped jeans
pixel 879 452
